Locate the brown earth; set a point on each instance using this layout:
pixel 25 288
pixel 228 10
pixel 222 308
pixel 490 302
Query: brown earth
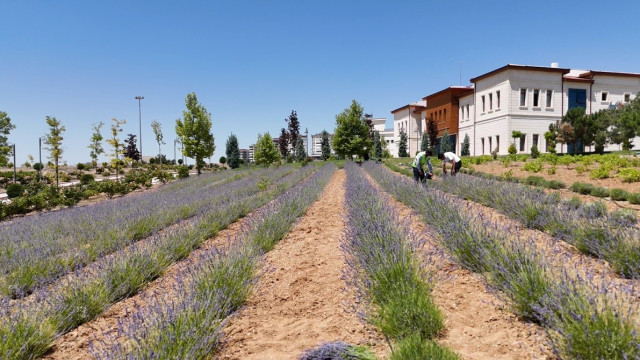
pixel 301 297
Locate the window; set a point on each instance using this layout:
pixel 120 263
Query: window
pixel 497 99
pixel 490 101
pixel 522 140
pixel 497 143
pixel 490 144
pixel 461 115
pixel 467 110
pixel 482 103
pixel 535 140
pixel 627 97
pixel 445 115
pixel 536 98
pixel 523 97
pixel 604 95
pixel 482 142
pixel 549 97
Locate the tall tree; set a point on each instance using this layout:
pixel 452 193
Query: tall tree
pixel 294 128
pixel 579 121
pixel 195 131
pixel 377 145
pixel 265 152
pixel 445 142
pixel 301 152
pixel 551 137
pixel 466 143
pixel 424 145
pixel 131 149
pixel 325 147
pixel 565 134
pixel 95 145
pixel 233 152
pixel 157 131
pixel 368 118
pixel 54 141
pixel 5 128
pixel 116 144
pixel 351 136
pixel 432 130
pixel 284 143
pixel 402 145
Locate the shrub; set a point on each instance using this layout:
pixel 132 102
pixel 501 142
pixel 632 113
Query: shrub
pixel 512 149
pixel 14 190
pixel 599 191
pixel 634 198
pixel 505 161
pixel 602 172
pixel 494 154
pixel 535 181
pixel 338 350
pixel 629 175
pixel 582 168
pixel 535 153
pixel 573 203
pixel 551 170
pixel 86 178
pixel 624 217
pixel 619 194
pixel 223 159
pixel 556 184
pixel 594 210
pixel 38 166
pixel 581 188
pixel 80 166
pixel 533 166
pixel 183 172
pixel 414 347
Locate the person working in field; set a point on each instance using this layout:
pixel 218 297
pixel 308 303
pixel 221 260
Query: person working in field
pixel 423 157
pixel 450 158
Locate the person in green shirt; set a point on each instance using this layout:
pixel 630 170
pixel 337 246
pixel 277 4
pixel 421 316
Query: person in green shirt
pixel 423 157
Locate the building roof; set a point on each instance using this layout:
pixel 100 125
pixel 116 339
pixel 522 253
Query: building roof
pixel 455 90
pixel 419 106
pixel 591 73
pixel 577 79
pixel 520 67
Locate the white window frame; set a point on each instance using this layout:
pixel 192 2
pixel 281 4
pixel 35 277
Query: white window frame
pixel 536 93
pixel 483 104
pixel 549 99
pixel 498 100
pixel 604 96
pixel 490 101
pixel 523 101
pixel 468 116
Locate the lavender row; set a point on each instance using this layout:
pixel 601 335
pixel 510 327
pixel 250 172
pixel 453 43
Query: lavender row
pixel 384 268
pixel 78 237
pixel 582 319
pixel 87 295
pixel 589 228
pixel 189 327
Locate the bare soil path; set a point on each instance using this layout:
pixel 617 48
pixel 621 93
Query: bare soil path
pixel 301 297
pixel 478 325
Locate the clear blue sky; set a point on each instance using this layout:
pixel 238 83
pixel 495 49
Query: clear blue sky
pixel 252 62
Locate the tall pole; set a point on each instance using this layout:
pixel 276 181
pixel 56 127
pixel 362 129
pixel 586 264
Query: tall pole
pixel 140 121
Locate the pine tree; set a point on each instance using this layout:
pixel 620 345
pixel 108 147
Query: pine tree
pixel 445 142
pixel 402 146
pixel 465 146
pixel 377 145
pixel 233 152
pixel 294 128
pixel 325 146
pixel 432 130
pixel 424 145
pixel 284 143
pixel 131 150
pixel 301 153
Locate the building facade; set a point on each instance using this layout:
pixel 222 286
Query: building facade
pixel 410 119
pixel 316 145
pixel 442 107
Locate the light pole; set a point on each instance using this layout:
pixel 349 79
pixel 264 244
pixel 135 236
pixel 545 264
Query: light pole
pixel 140 121
pixel 40 156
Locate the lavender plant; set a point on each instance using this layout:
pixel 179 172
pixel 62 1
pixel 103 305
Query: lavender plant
pixel 339 351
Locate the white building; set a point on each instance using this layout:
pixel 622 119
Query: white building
pixel 409 118
pixel 316 145
pixel 530 98
pixel 386 135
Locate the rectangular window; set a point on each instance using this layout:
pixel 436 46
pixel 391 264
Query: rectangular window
pixel 445 115
pixel 497 99
pixel 535 140
pixel 467 111
pixel 482 103
pixel 627 97
pixel 522 140
pixel 490 144
pixel 605 95
pixel 461 115
pixel 482 142
pixel 523 97
pixel 536 98
pixel 490 101
pixel 549 97
pixel 498 143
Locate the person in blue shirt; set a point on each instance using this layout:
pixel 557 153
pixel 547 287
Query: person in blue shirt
pixel 423 157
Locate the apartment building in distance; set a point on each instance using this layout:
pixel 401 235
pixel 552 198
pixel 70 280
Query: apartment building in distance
pixel 316 145
pixel 410 119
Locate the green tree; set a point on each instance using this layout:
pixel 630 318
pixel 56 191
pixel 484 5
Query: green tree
pixel 95 145
pixel 233 152
pixel 325 146
pixel 5 128
pixel 351 136
pixel 157 131
pixel 565 134
pixel 551 137
pixel 116 144
pixel 432 131
pixel 131 149
pixel 301 153
pixel 284 143
pixel 265 152
pixel 54 142
pixel 515 134
pixel 402 144
pixel 377 145
pixel 424 145
pixel 445 142
pixel 294 129
pixel 581 128
pixel 466 143
pixel 195 131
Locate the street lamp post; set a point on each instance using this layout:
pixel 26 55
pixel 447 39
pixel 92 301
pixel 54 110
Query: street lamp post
pixel 40 156
pixel 140 121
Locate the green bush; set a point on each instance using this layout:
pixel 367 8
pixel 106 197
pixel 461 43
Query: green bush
pixel 535 181
pixel 80 166
pixel 555 184
pixel 14 190
pixel 512 149
pixel 551 170
pixel 634 198
pixel 535 153
pixel 624 216
pixel 86 179
pixel 533 166
pixel 599 191
pixel 629 175
pixel 581 188
pixel 594 210
pixel 619 194
pixel 573 203
pixel 416 348
pixel 602 172
pixel 183 172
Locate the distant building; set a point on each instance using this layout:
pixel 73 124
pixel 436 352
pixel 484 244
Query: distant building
pixel 410 119
pixel 244 155
pixel 316 145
